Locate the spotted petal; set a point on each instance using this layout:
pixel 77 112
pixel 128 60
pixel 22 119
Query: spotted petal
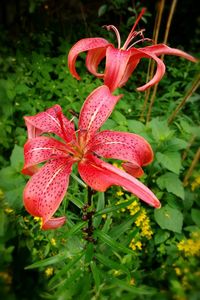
pixel 160 71
pixel 45 191
pixel 41 149
pixel 95 111
pixel 132 64
pixel 100 175
pixel 82 46
pixel 93 59
pixel 129 147
pixel 164 49
pixel 50 121
pixel 116 65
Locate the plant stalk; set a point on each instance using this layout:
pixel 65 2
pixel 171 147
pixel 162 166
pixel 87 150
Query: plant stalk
pixel 192 166
pixel 151 65
pixel 169 21
pixel 189 93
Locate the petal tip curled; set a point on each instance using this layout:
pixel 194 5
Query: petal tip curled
pixel 54 223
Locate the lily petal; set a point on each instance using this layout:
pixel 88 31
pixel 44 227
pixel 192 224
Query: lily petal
pixel 40 149
pixel 93 59
pixel 159 72
pixel 50 121
pixel 116 64
pixel 129 147
pixel 95 111
pixel 132 64
pixel 54 223
pixel 82 46
pixel 164 49
pixel 46 189
pixel 100 175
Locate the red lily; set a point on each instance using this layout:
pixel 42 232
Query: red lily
pixel 48 184
pixel 121 61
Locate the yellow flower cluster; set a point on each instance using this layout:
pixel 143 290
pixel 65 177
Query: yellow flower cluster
pixel 134 245
pixel 49 272
pixel 39 220
pixel 196 183
pixel 53 242
pixel 190 247
pixel 8 210
pixel 142 220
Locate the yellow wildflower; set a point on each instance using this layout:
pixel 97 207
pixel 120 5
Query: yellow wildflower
pixel 39 220
pixel 132 281
pixel 121 201
pixel 53 242
pixel 178 271
pixel 134 245
pixel 104 216
pixel 120 193
pixel 196 183
pixel 133 208
pixel 8 210
pixel 190 247
pixel 117 272
pixel 49 272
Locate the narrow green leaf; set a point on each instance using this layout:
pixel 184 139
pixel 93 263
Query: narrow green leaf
pixel 114 207
pixel 76 201
pixel 96 274
pixel 76 228
pixel 78 180
pixel 100 206
pixel 66 268
pixel 109 263
pixel 89 253
pixel 110 242
pixel 48 261
pixel 143 290
pixel 118 230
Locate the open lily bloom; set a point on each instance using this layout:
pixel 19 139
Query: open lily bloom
pixel 121 61
pixel 48 184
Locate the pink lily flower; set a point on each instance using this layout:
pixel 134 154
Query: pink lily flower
pixel 121 61
pixel 46 188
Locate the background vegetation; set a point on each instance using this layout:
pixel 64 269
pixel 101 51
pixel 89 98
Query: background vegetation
pixel 139 252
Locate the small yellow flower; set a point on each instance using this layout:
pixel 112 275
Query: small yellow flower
pixel 49 271
pixel 178 271
pixel 191 246
pixel 117 272
pixel 39 220
pixel 53 242
pixel 120 193
pixel 104 216
pixel 8 210
pixel 134 245
pixel 196 183
pixel 132 281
